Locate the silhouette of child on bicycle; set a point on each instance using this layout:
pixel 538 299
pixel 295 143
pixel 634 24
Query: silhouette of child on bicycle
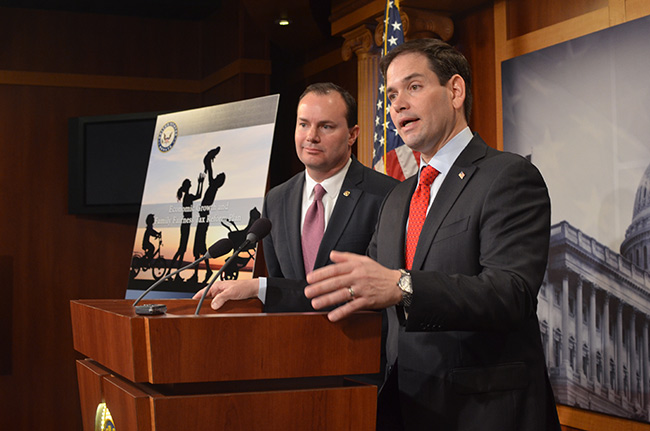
pixel 149 232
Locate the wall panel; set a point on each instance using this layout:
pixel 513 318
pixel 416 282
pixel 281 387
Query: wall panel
pixel 528 16
pixel 474 35
pixel 53 66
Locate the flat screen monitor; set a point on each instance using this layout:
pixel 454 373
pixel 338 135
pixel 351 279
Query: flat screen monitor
pixel 107 163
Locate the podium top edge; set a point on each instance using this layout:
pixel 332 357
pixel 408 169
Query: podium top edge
pixel 185 308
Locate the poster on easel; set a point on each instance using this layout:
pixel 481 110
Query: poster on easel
pixel 205 181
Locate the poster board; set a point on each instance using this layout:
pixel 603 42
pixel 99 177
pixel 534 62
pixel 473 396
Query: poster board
pixel 206 180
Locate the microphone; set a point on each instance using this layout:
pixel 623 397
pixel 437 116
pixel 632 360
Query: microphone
pixel 260 228
pixel 217 249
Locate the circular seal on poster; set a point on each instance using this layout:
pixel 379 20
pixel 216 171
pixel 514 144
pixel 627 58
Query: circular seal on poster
pixel 103 419
pixel 167 136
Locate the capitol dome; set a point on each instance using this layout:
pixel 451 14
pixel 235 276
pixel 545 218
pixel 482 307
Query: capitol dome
pixel 637 236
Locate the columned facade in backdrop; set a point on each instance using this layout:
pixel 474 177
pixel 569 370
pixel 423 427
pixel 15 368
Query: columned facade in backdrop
pixel 594 313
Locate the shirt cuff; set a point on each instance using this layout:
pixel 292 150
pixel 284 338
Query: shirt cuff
pixel 262 292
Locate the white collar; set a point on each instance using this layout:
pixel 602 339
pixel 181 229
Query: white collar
pixel 332 185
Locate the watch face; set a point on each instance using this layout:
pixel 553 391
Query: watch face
pixel 405 282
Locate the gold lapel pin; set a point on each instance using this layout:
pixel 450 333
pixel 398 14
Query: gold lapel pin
pixel 461 175
pixel 346 193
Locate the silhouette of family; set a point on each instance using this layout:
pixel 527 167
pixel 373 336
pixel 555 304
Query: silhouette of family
pixel 183 195
pixel 207 196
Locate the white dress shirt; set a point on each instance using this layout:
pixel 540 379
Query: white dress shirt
pixel 332 186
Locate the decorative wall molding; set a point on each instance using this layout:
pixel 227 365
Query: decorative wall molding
pixel 108 82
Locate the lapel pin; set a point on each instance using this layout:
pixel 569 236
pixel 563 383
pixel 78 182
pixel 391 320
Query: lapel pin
pixel 461 175
pixel 346 193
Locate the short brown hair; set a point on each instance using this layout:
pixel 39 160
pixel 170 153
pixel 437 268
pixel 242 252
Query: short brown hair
pixel 326 88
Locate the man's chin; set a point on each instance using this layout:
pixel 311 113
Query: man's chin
pixel 411 143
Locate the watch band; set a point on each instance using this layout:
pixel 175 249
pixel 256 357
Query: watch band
pixel 406 286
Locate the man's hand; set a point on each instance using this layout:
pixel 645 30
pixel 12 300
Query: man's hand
pixel 359 280
pixel 222 291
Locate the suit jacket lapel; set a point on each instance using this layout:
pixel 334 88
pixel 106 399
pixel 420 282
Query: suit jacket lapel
pixel 292 215
pixel 398 212
pixel 447 196
pixel 347 200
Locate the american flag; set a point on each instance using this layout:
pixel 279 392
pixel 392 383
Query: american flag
pixel 390 155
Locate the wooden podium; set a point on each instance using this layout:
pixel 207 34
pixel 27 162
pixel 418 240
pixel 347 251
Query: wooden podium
pixel 238 369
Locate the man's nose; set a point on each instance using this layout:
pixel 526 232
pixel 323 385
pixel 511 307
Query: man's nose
pixel 312 135
pixel 398 103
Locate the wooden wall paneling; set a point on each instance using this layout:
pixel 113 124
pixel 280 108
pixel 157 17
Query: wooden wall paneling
pixel 557 33
pixel 6 314
pixel 528 16
pixel 474 37
pixel 617 12
pixel 635 8
pixel 77 80
pixel 322 63
pixel 93 44
pixel 500 39
pixel 577 419
pixel 344 19
pixel 57 256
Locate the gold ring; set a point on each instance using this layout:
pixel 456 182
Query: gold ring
pixel 351 292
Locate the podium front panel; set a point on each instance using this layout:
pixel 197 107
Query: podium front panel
pixel 178 347
pixel 144 407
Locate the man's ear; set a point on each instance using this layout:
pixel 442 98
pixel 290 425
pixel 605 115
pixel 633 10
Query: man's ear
pixel 456 85
pixel 353 135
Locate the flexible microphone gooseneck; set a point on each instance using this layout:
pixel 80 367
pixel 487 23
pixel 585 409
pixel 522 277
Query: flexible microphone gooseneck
pixel 217 249
pixel 260 228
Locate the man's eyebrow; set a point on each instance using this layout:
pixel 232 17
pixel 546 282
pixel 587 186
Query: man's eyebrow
pixel 305 120
pixel 406 79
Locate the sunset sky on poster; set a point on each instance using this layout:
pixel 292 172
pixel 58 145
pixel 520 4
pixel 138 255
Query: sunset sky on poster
pixel 239 148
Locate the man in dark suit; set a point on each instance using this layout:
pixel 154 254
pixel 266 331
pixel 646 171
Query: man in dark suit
pixel 326 129
pixel 457 261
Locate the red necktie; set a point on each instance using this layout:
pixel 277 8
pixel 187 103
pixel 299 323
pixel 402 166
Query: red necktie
pixel 418 211
pixel 313 228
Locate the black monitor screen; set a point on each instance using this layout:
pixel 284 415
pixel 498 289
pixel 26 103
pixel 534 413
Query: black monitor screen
pixel 108 159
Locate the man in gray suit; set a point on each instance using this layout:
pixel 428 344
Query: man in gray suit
pixel 457 261
pixel 326 129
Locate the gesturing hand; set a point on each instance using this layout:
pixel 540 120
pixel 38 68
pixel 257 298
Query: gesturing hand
pixel 357 279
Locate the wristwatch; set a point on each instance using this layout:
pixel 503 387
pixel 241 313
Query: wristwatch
pixel 406 286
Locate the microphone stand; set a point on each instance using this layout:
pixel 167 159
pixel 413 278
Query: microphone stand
pixel 227 263
pixel 196 262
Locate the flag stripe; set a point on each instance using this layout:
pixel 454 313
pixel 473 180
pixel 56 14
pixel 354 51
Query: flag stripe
pixel 386 140
pixel 407 159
